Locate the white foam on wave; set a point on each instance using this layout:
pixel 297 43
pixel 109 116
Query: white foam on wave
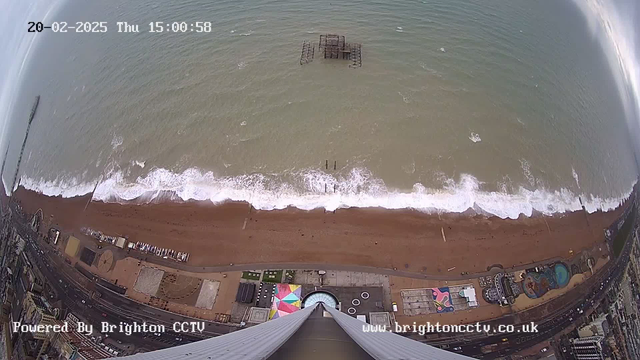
pixel 59 187
pixel 116 141
pixel 475 137
pixel 575 176
pixel 305 190
pixel 526 171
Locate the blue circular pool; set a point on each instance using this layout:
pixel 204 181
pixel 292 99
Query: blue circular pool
pixel 562 275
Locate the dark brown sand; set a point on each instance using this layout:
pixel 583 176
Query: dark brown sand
pixel 405 239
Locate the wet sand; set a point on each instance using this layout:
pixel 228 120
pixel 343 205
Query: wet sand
pixel 404 239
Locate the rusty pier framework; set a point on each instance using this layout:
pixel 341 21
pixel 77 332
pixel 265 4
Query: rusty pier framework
pixel 308 52
pixel 333 46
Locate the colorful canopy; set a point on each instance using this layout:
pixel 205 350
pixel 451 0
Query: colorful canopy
pixel 286 300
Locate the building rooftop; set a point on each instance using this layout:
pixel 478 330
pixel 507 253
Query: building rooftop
pixel 380 318
pixel 86 347
pixel 320 338
pixel 40 304
pixel 470 293
pixel 316 332
pixel 258 315
pixel 353 300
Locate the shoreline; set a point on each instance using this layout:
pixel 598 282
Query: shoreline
pixel 466 195
pixel 407 240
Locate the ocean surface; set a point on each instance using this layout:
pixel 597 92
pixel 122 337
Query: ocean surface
pixel 505 107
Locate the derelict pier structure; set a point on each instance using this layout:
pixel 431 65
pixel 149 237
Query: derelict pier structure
pixel 333 46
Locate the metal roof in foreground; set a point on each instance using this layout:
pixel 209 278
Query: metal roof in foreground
pixel 262 341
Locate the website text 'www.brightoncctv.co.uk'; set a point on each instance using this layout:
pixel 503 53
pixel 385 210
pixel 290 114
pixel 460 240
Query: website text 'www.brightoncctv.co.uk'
pixel 431 328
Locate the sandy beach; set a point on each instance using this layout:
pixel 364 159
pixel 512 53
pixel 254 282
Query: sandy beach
pixel 404 239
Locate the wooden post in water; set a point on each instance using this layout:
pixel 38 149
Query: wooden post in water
pixel 92 192
pixel 586 217
pixel 335 164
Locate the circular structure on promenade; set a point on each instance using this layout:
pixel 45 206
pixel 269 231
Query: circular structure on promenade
pixel 105 261
pixel 320 296
pixel 351 311
pixel 364 295
pixel 562 274
pixel 355 302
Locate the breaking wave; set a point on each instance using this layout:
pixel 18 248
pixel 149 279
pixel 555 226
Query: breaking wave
pixel 312 189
